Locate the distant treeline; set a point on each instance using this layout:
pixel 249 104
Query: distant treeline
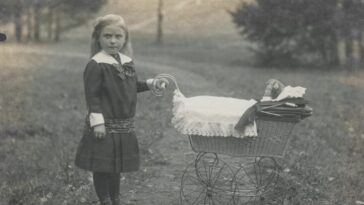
pixel 293 32
pixel 31 18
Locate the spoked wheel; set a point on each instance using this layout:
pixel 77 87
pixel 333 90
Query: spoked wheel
pixel 256 180
pixel 207 181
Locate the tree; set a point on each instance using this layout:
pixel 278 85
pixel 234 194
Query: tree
pixel 353 31
pixel 57 16
pixel 12 11
pixel 5 11
pixel 37 7
pixel 160 16
pixel 289 32
pixel 18 10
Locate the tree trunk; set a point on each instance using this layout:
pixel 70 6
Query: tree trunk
pixel 361 47
pixel 29 24
pixel 37 22
pixel 50 23
pixel 57 21
pixel 356 49
pixel 349 50
pixel 18 24
pixel 159 39
pixel 334 58
pixel 341 49
pixel 340 35
pixel 323 50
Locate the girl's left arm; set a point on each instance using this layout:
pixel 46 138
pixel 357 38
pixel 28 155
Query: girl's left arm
pixel 142 86
pixel 152 84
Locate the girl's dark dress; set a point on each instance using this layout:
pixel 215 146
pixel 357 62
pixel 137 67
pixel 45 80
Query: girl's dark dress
pixel 111 90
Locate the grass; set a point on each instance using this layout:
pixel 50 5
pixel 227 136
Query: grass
pixel 42 112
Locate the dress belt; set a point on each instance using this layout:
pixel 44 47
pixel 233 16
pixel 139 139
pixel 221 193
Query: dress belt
pixel 119 125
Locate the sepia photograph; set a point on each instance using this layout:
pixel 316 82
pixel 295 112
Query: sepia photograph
pixel 181 102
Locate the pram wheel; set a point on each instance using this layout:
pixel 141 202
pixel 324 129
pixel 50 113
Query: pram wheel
pixel 255 180
pixel 207 181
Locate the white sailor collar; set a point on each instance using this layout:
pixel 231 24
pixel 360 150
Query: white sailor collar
pixel 103 57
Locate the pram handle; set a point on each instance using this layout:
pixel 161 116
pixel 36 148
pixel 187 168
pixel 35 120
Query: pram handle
pixel 165 76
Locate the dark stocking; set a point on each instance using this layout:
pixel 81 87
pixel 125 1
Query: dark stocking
pixel 114 187
pixel 101 184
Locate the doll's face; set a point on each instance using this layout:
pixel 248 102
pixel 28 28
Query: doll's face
pixel 112 39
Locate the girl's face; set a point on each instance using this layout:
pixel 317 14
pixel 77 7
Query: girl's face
pixel 112 39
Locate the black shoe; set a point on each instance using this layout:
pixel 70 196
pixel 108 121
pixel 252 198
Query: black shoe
pixel 116 201
pixel 106 201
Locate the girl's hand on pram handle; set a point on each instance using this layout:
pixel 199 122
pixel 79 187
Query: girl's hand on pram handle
pixel 158 85
pixel 272 90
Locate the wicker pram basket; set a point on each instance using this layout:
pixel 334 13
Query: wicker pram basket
pixel 273 137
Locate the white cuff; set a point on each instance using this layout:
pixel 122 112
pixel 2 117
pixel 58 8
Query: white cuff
pixel 150 83
pixel 96 119
pixel 266 98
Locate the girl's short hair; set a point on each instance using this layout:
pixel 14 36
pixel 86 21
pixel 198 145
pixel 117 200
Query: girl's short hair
pixel 101 23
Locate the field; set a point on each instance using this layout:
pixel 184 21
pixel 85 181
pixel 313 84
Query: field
pixel 42 112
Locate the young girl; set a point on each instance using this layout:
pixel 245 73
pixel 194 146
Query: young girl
pixel 109 144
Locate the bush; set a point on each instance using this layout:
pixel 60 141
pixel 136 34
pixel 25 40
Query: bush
pixel 302 31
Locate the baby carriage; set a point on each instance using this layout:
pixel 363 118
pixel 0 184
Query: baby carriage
pixel 222 129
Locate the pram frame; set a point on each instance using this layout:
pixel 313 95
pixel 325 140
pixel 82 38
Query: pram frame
pixel 261 149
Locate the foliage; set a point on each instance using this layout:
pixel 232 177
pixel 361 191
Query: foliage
pixel 288 32
pixel 6 8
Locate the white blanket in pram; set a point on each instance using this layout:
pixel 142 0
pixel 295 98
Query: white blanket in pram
pixel 210 116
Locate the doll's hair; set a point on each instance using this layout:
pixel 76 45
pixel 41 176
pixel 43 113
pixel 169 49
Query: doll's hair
pixel 101 23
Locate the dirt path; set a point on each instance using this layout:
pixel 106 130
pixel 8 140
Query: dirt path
pixel 153 19
pixel 195 80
